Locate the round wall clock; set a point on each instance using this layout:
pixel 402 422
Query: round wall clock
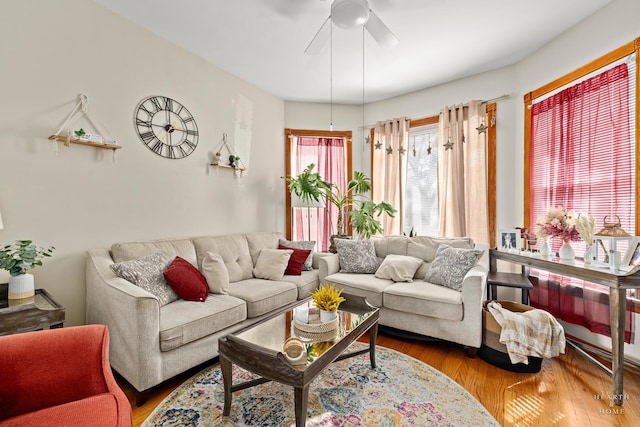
pixel 166 127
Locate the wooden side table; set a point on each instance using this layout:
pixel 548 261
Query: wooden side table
pixel 40 311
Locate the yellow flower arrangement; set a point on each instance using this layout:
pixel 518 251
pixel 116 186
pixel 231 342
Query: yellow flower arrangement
pixel 327 297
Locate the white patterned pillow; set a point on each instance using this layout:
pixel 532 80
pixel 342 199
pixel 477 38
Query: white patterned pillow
pixel 306 245
pixel 399 268
pixel 146 273
pixel 451 265
pixel 357 256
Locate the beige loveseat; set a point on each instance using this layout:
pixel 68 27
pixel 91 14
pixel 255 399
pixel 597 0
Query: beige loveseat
pixel 151 342
pixel 418 306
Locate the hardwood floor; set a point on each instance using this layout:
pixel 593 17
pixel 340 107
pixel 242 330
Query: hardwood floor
pixel 568 391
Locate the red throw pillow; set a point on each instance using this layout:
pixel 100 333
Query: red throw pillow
pixel 296 261
pixel 186 280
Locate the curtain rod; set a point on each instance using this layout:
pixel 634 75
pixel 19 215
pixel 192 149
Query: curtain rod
pixel 488 101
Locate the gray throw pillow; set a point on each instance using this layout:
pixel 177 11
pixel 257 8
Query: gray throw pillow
pixel 146 273
pixel 451 265
pixel 306 245
pixel 357 256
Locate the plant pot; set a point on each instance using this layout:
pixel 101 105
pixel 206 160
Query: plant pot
pixel 21 286
pixel 327 316
pixel 332 248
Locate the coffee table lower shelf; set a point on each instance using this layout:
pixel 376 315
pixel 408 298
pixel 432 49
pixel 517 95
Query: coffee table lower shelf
pixel 272 365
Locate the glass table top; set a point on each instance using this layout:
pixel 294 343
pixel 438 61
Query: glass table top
pixel 273 333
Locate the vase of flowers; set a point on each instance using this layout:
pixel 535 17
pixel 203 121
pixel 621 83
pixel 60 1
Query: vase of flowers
pixel 559 222
pixel 586 226
pixel 327 299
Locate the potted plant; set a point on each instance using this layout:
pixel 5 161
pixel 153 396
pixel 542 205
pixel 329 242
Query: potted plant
pixel 17 259
pixel 353 206
pixel 327 299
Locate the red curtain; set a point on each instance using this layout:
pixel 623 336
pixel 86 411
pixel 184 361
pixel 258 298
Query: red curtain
pixel 328 154
pixel 582 159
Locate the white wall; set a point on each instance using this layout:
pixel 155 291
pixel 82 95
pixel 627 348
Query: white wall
pixel 613 26
pixel 51 51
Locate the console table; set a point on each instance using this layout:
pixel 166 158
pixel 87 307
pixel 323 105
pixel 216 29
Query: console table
pixel 618 284
pixel 29 314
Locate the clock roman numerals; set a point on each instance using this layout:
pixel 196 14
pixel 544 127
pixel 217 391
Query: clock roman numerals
pixel 157 147
pixel 156 103
pixel 140 122
pixel 166 127
pixel 147 137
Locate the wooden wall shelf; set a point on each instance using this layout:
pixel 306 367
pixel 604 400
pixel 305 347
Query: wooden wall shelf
pixel 82 142
pixel 220 165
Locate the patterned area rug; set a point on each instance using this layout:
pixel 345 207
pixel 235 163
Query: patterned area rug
pixel 401 391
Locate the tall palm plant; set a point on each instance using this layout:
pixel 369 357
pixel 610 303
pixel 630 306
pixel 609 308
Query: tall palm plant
pixel 352 204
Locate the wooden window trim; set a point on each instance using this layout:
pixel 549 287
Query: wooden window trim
pixel 288 137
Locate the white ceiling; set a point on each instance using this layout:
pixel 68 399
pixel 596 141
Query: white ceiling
pixel 263 41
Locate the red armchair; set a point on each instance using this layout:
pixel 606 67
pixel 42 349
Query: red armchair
pixel 60 377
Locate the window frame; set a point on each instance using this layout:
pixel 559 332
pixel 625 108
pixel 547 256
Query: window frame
pixel 603 61
pixel 288 141
pixel 598 63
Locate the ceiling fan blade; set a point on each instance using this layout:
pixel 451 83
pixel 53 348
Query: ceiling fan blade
pixel 379 31
pixel 320 38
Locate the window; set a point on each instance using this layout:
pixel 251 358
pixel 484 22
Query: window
pixel 330 152
pixel 580 154
pixel 421 195
pixel 582 148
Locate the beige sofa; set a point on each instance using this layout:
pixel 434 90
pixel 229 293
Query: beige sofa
pixel 418 306
pixel 150 342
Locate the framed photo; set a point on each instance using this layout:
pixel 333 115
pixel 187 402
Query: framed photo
pixel 509 239
pixel 632 258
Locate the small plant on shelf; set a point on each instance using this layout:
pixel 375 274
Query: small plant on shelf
pixel 22 256
pixel 327 298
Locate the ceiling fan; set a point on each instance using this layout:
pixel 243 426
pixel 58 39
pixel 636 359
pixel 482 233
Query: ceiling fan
pixel 350 14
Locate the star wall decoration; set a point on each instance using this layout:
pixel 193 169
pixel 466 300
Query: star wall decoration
pixel 482 128
pixel 367 139
pixel 378 145
pixel 389 150
pixel 401 150
pixel 448 145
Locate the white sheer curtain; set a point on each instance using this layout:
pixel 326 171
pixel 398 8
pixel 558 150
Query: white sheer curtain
pixel 462 172
pixel 389 169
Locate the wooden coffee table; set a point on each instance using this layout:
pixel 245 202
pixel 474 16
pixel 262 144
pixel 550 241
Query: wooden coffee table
pixel 258 349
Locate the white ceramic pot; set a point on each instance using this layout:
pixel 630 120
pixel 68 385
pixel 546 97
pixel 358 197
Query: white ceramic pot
pixel 21 286
pixel 327 316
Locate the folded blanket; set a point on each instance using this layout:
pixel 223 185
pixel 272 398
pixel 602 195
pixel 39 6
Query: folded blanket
pixel 530 333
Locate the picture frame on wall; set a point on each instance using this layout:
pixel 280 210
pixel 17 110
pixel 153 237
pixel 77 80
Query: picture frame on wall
pixel 509 239
pixel 632 258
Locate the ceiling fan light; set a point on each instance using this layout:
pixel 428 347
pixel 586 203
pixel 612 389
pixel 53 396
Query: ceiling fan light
pixel 349 13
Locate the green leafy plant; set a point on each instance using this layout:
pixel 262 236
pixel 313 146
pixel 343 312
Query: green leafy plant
pixel 327 298
pixel 353 206
pixel 22 256
pixel 79 132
